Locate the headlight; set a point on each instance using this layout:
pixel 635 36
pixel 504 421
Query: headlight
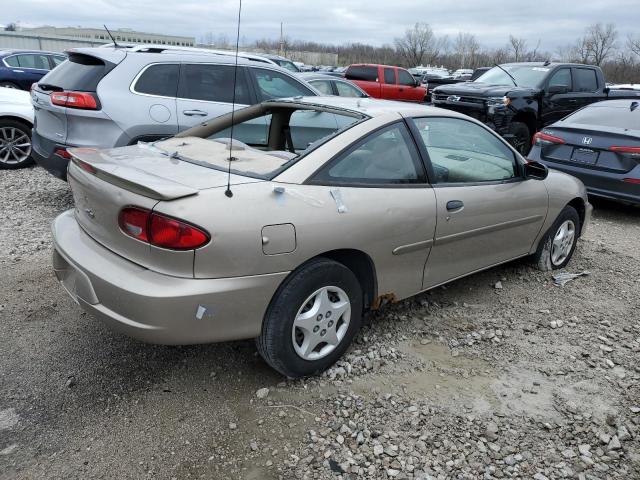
pixel 498 101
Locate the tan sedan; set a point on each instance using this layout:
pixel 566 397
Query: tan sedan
pixel 199 239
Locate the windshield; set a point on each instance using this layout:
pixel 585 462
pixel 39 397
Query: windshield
pixel 288 64
pixel 525 75
pixel 257 149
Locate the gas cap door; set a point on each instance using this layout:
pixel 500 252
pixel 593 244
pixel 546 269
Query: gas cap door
pixel 278 239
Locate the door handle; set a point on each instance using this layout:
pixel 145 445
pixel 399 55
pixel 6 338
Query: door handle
pixel 454 205
pixel 195 113
pixel 573 100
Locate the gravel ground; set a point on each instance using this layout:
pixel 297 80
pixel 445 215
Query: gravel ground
pixel 499 375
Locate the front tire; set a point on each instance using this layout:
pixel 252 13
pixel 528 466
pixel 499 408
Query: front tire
pixel 15 144
pixel 312 319
pixel 559 242
pixel 9 85
pixel 521 139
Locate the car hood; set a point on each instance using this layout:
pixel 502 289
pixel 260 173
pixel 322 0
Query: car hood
pixel 15 96
pixel 475 89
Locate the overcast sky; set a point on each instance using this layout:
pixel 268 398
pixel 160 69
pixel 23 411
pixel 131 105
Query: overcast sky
pixel 554 22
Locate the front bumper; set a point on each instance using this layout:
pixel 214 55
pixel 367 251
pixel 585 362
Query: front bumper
pixel 153 307
pixel 497 118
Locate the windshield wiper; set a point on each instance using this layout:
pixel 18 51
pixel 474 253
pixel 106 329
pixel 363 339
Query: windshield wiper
pixel 510 76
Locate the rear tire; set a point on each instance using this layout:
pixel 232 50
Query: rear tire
pixel 521 139
pixel 9 85
pixel 312 319
pixel 15 144
pixel 559 242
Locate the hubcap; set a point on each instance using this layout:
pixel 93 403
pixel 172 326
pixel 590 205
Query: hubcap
pixel 321 323
pixel 563 242
pixel 15 145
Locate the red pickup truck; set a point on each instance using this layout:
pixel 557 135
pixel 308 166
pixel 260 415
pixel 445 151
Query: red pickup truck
pixel 384 81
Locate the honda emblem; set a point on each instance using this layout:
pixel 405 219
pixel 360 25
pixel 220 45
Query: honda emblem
pixel 587 140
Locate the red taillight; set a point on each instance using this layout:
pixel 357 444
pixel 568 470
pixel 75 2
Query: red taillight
pixel 62 152
pixel 542 138
pixel 635 181
pixel 81 100
pixel 161 231
pixel 632 150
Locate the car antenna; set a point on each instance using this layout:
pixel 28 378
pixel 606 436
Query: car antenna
pixel 115 44
pixel 228 191
pixel 510 76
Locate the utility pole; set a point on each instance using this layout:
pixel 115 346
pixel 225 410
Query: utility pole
pixel 281 41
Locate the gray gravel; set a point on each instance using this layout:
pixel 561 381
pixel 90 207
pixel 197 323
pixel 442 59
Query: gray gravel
pixel 499 375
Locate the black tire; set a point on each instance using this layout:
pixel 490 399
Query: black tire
pixel 22 128
pixel 542 259
pixel 275 343
pixel 521 139
pixel 9 85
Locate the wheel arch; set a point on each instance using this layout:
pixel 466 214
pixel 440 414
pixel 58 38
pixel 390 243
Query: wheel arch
pixel 17 118
pixel 578 204
pixel 528 118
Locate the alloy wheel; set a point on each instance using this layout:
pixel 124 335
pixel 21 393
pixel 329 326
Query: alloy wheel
pixel 15 145
pixel 321 323
pixel 563 242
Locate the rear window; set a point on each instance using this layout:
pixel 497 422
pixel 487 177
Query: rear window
pixel 81 73
pixel 369 74
pixel 160 80
pixel 585 80
pixel 607 116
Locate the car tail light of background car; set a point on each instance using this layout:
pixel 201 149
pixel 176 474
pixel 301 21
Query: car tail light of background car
pixel 631 151
pixel 161 231
pixel 80 100
pixel 542 139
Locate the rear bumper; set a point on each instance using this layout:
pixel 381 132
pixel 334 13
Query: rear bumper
pixel 600 183
pixel 153 307
pixel 42 151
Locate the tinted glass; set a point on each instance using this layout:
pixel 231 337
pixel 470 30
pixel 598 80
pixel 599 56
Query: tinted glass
pixel 463 152
pixel 12 61
pixel 58 59
pixel 159 80
pixel 40 62
pixel 272 84
pixel 390 76
pixel 561 78
pixel 323 86
pixel 620 116
pixel 526 76
pixel 404 78
pixel 81 73
pixel 213 83
pixel 347 90
pixel 586 80
pixel 387 156
pixel 369 74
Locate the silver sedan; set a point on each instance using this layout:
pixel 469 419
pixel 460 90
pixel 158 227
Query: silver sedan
pixel 200 238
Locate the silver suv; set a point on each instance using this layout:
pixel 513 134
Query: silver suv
pixel 111 97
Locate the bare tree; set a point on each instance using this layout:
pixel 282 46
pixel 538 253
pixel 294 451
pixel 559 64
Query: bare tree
pixel 11 27
pixel 633 44
pixel 466 49
pixel 598 44
pixel 519 48
pixel 418 42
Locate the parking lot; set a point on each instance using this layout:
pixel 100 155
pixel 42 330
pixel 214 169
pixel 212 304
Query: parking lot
pixel 499 375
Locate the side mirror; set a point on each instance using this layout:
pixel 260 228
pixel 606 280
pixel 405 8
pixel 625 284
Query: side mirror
pixel 556 89
pixel 535 170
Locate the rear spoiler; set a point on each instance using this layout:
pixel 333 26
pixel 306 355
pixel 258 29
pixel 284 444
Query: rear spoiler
pixel 127 177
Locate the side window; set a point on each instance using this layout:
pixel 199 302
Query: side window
pixel 561 78
pixel 389 76
pixel 586 80
pixel 273 84
pixel 212 83
pixel 368 74
pixel 405 78
pixel 385 157
pixel 323 86
pixel 159 79
pixel 464 152
pixel 58 59
pixel 33 61
pixel 12 61
pixel 347 90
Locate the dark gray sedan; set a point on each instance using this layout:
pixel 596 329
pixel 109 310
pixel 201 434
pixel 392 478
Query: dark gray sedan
pixel 599 144
pixel 332 85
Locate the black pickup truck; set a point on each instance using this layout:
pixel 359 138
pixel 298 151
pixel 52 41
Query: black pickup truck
pixel 518 99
